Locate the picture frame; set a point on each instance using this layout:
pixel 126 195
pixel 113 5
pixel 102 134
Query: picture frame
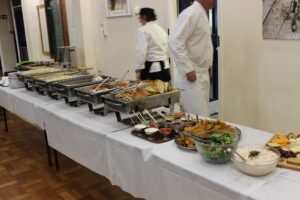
pixel 118 8
pixel 43 29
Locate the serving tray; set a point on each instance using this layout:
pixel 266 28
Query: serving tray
pixel 155 138
pixel 283 161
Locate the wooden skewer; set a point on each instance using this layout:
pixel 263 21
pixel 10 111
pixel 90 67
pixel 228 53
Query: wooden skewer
pixel 131 118
pixel 151 116
pixel 138 117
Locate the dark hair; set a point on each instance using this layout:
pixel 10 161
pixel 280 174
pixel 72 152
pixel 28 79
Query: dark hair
pixel 149 13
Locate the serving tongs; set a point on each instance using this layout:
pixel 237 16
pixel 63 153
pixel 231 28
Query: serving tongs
pixel 132 87
pixel 196 137
pixel 95 90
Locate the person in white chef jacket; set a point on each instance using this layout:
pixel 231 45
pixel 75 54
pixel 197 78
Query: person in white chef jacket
pixel 152 54
pixel 191 48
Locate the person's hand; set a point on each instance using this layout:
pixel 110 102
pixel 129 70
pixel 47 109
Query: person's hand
pixel 138 76
pixel 191 76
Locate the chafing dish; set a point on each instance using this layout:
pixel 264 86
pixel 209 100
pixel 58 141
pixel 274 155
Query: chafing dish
pixel 86 94
pixel 45 84
pixel 29 77
pixel 67 88
pixel 36 72
pixel 136 105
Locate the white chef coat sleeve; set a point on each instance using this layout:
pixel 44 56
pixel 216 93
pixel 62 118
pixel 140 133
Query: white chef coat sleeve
pixel 141 50
pixel 177 43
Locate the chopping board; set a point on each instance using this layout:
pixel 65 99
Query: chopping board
pixel 284 162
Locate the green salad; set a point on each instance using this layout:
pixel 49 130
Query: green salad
pixel 219 148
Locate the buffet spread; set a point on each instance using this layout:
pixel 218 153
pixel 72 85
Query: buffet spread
pixel 215 141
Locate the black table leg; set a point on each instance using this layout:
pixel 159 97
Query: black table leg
pixel 91 107
pixel 118 115
pixel 5 119
pixel 56 160
pixel 48 150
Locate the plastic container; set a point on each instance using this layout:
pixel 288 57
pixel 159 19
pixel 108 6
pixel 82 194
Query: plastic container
pixel 14 82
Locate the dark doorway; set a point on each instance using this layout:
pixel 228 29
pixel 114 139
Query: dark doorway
pixel 57 25
pixel 20 37
pixel 213 17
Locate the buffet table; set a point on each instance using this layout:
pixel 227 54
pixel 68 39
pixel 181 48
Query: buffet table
pixel 147 170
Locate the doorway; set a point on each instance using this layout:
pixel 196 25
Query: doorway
pixel 214 79
pixel 19 29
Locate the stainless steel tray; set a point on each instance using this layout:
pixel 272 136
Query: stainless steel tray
pixel 95 98
pixel 66 88
pixel 30 80
pixel 47 86
pixel 149 102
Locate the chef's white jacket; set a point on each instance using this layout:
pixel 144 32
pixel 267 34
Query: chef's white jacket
pixel 152 45
pixel 190 41
pixel 191 48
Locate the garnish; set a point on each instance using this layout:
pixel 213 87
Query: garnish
pixel 253 154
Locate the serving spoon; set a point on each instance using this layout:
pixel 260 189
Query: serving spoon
pixel 240 156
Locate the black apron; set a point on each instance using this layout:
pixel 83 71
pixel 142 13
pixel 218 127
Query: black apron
pixel 163 74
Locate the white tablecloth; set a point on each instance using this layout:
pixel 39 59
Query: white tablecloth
pixel 5 98
pixel 27 105
pixel 144 169
pixel 79 134
pixel 186 170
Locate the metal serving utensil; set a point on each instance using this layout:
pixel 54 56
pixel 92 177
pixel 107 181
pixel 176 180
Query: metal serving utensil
pixel 101 84
pixel 124 75
pixel 240 156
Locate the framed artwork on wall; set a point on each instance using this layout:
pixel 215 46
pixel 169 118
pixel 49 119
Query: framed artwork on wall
pixel 118 8
pixel 281 19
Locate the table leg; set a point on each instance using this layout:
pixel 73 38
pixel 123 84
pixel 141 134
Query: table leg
pixel 48 149
pixel 118 115
pixel 5 119
pixel 56 160
pixel 91 107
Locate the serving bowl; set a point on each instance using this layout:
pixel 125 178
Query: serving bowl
pixel 217 152
pixel 151 131
pixel 261 165
pixel 140 127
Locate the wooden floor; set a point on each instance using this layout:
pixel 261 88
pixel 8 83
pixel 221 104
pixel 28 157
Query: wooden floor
pixel 24 171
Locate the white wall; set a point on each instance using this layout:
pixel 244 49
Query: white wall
pixel 116 53
pixel 32 30
pixel 7 48
pixel 259 78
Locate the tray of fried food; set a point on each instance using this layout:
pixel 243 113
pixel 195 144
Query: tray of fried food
pixel 185 142
pixel 203 130
pixel 144 89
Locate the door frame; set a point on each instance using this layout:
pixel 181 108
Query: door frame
pixel 15 31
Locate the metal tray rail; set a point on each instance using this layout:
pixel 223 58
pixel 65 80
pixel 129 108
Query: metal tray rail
pixel 149 102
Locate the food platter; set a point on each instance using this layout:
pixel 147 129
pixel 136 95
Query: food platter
pixel 185 139
pixel 155 138
pixel 138 99
pixel 45 84
pixel 67 88
pixel 179 143
pixel 288 146
pixel 89 95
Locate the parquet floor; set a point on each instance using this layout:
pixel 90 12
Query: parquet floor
pixel 24 171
